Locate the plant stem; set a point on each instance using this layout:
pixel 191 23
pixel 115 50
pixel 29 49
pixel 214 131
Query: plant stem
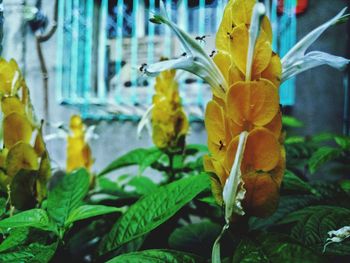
pixel 171 172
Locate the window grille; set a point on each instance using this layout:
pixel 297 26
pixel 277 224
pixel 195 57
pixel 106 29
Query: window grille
pixel 101 45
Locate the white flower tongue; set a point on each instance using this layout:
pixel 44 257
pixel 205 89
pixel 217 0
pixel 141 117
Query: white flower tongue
pixel 296 61
pixel 195 61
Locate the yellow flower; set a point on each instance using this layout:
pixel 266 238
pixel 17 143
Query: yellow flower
pixel 243 120
pixel 78 151
pixel 169 121
pixel 20 130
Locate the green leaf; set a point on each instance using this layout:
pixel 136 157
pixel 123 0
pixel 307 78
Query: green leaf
pixel 67 195
pixel 32 253
pixel 287 204
pixel 274 248
pixel 28 245
pixel 31 218
pixel 17 237
pixel 343 142
pixel 142 157
pixel 2 206
pixel 321 156
pixel 151 158
pixel 294 139
pixel 313 224
pixel 292 182
pixel 192 149
pixel 323 137
pixel 292 122
pixel 15 257
pixel 156 256
pixel 22 189
pixel 196 238
pixel 143 185
pixel 87 211
pixel 152 210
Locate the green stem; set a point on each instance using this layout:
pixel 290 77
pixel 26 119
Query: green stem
pixel 171 172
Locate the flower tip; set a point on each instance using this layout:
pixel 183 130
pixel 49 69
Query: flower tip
pixel 260 9
pixel 155 20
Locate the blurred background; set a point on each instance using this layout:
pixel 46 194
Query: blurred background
pixel 92 60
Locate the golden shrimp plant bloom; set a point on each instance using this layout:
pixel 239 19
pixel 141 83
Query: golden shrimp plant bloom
pixel 78 150
pixel 251 104
pixel 243 120
pixel 24 157
pixel 169 121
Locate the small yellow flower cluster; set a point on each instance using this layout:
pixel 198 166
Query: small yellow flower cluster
pixel 169 121
pixel 24 148
pixel 251 104
pixel 78 151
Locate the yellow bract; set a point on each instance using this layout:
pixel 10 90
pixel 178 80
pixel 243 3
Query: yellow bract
pixel 21 156
pixel 78 151
pixel 19 125
pixel 169 121
pixel 250 105
pixel 16 128
pixel 8 71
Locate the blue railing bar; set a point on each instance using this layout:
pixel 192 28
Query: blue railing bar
pixel 119 50
pixel 68 47
pixel 183 24
pixel 219 12
pixel 59 58
pixel 150 48
pixel 75 49
pixel 134 52
pixel 167 34
pixel 101 68
pixel 88 48
pixel 273 17
pixel 201 32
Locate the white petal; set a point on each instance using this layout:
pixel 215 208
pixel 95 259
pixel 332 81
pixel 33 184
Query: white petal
pixel 145 120
pixel 298 51
pixel 196 60
pixel 234 191
pixel 314 59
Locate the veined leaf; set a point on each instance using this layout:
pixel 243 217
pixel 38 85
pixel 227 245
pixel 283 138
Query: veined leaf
pixel 153 210
pixel 67 195
pixel 17 237
pixel 196 238
pixel 287 204
pixel 142 157
pixel 321 156
pixel 313 224
pixel 87 211
pixel 143 185
pixel 15 257
pixel 32 253
pixel 156 256
pixel 274 248
pixel 293 183
pixel 31 218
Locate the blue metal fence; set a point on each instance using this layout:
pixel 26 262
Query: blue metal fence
pixel 101 45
